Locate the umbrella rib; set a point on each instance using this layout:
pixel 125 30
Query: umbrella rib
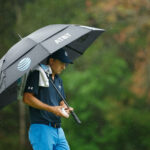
pixel 74 50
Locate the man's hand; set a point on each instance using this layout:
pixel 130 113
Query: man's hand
pixel 58 110
pixel 68 110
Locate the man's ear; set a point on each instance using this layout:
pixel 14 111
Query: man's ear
pixel 51 60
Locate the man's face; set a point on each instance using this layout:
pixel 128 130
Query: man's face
pixel 56 65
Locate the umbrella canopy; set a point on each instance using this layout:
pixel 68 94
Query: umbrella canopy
pixel 36 47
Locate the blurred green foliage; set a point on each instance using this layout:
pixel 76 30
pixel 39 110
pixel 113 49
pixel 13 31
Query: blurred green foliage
pixel 99 84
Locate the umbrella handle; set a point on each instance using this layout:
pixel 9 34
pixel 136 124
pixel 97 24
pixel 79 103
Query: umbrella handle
pixel 75 117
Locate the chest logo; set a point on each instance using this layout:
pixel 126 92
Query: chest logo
pixel 30 88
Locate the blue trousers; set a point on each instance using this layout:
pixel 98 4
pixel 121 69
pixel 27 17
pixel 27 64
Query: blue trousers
pixel 44 137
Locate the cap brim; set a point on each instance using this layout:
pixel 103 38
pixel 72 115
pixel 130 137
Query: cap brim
pixel 67 61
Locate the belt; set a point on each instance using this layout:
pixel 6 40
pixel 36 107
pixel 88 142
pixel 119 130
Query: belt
pixel 53 124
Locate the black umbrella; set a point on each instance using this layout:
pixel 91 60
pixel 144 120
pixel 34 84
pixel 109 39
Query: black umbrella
pixel 36 47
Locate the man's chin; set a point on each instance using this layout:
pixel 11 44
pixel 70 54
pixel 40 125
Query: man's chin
pixel 59 72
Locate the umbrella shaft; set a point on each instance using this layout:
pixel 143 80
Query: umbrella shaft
pixel 59 93
pixel 72 112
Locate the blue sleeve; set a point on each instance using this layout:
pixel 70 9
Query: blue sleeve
pixel 32 83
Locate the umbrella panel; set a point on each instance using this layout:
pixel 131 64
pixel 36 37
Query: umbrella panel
pixel 46 32
pixel 84 42
pixel 18 50
pixel 25 64
pixel 64 38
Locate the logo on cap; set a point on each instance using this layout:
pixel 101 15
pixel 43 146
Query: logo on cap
pixel 66 54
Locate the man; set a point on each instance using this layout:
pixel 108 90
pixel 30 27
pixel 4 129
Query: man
pixel 45 106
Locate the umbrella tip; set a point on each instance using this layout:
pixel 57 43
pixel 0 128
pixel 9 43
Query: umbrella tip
pixel 20 36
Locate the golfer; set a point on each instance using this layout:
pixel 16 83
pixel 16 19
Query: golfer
pixel 45 106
